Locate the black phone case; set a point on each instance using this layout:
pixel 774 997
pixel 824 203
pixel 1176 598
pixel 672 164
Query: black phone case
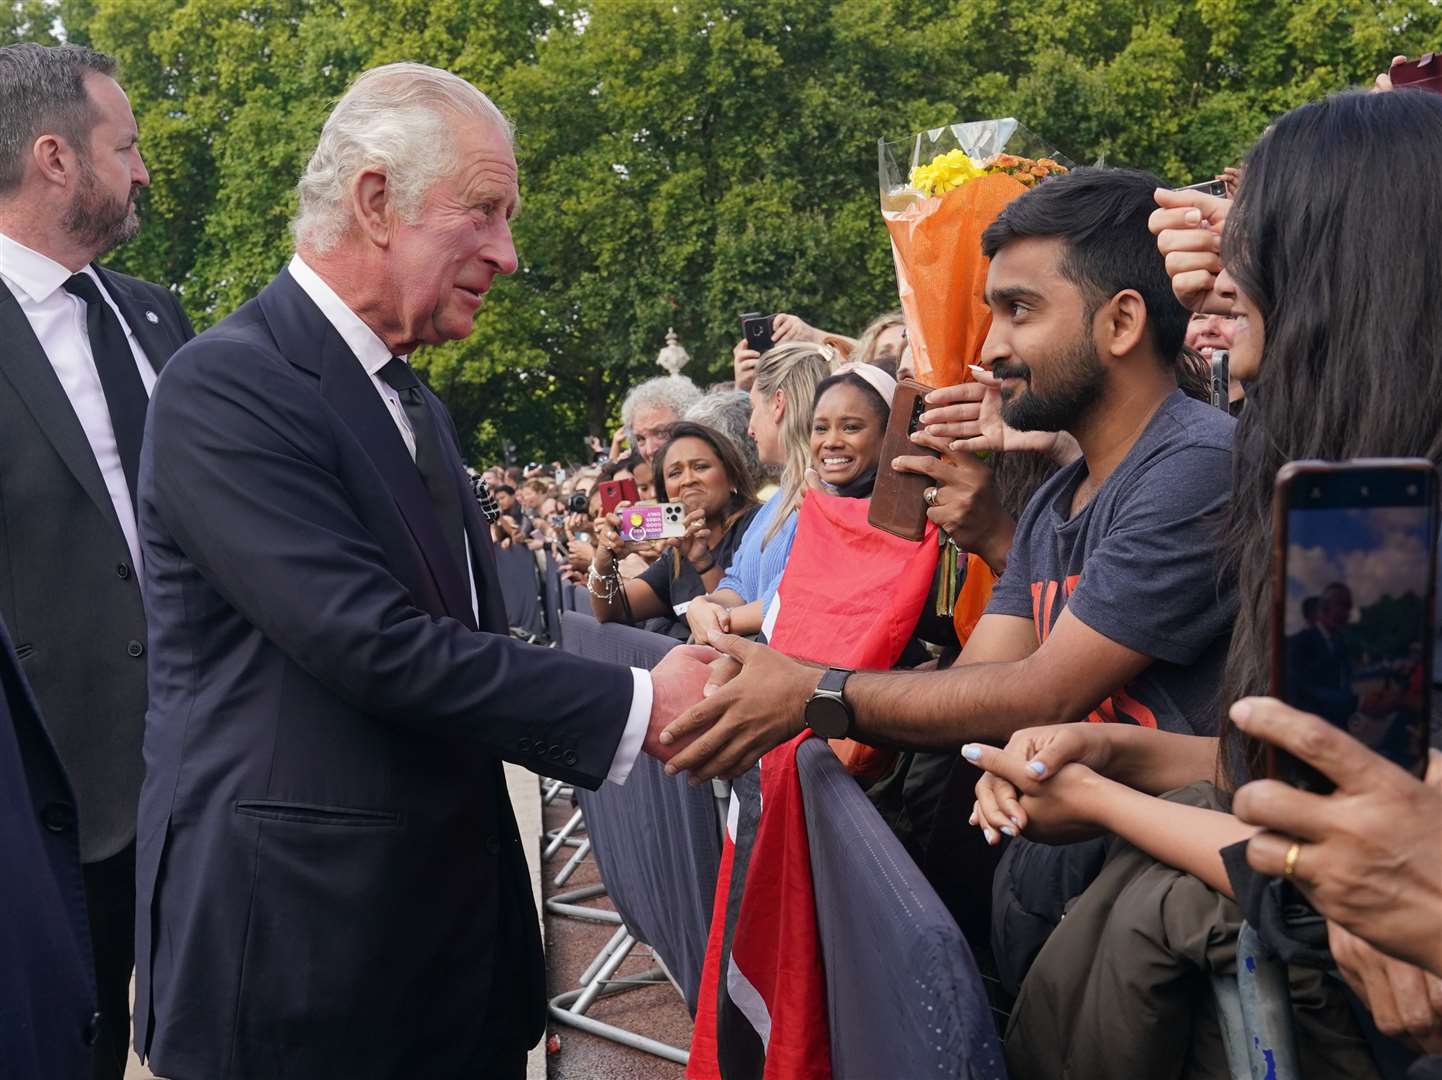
pixel 757 330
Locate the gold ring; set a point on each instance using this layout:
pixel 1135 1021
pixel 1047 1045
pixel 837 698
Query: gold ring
pixel 1289 864
pixel 930 495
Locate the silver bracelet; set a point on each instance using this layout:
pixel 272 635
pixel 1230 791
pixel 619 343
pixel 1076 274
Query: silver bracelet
pixel 611 583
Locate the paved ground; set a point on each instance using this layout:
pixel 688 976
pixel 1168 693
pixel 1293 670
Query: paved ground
pixel 657 1012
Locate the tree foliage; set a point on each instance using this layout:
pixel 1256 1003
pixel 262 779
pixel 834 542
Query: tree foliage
pixel 682 162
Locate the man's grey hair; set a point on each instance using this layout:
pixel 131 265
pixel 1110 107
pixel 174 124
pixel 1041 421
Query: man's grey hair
pixel 42 92
pixel 728 411
pixel 400 119
pixel 674 392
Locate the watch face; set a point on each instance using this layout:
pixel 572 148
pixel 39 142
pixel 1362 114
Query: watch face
pixel 828 717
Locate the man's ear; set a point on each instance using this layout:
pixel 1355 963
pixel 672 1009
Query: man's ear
pixel 56 159
pixel 370 198
pixel 1122 323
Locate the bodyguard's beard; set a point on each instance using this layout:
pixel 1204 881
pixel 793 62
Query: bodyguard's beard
pixel 96 219
pixel 1076 383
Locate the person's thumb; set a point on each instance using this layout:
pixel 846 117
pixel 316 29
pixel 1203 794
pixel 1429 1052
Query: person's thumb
pixel 731 645
pixel 814 481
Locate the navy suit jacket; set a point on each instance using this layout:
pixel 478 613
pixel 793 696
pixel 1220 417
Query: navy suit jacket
pixel 47 990
pixel 330 880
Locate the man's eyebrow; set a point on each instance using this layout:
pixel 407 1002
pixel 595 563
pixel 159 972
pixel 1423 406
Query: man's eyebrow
pixel 1009 293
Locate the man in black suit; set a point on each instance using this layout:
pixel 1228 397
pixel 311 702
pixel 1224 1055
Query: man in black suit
pixel 47 996
pixel 82 347
pixel 1319 666
pixel 331 882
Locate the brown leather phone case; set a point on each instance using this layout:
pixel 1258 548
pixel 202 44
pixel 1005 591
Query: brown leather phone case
pixel 898 502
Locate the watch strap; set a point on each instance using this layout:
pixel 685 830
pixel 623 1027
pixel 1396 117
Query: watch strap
pixel 833 679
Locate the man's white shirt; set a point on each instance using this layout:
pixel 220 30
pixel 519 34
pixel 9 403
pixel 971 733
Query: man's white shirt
pixel 373 354
pixel 58 320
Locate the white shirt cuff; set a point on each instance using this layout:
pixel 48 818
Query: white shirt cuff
pixel 636 724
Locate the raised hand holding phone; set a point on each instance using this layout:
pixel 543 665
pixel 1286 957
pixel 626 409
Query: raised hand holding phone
pixel 1188 227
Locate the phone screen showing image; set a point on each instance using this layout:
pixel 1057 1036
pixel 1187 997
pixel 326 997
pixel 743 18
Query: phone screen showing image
pixel 1356 609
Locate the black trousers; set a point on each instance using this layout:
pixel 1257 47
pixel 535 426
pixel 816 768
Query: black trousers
pixel 110 898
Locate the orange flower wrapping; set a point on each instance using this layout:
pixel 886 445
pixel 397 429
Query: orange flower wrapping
pixel 941 274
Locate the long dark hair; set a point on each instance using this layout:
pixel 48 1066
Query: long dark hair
pixel 1334 236
pixel 744 490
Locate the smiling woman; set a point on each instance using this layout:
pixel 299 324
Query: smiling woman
pixel 847 426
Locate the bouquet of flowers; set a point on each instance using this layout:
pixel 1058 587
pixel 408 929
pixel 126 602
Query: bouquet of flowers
pixel 955 181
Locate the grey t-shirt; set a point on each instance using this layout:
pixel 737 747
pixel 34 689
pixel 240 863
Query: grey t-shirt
pixel 1138 565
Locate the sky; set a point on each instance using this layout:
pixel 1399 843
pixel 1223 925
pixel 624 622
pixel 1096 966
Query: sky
pixel 1376 552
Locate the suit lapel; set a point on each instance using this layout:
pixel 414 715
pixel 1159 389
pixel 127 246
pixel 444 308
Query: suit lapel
pixel 29 371
pixel 308 339
pixel 149 322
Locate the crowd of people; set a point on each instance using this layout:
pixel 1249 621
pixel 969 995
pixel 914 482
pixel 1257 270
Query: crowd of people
pixel 313 867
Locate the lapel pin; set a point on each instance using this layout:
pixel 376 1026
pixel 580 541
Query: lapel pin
pixel 151 317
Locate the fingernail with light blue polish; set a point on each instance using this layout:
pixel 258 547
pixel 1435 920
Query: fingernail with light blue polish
pixel 1036 768
pixel 1008 830
pixel 971 752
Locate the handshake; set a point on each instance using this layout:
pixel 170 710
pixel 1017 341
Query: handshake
pixel 715 710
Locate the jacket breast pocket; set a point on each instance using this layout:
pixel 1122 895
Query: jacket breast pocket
pixel 314 814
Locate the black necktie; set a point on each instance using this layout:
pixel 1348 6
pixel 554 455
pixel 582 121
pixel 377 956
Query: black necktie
pixel 125 395
pixel 440 481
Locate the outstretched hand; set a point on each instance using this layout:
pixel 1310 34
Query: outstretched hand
pixel 755 710
pixel 676 683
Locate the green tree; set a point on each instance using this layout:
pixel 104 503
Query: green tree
pixel 686 161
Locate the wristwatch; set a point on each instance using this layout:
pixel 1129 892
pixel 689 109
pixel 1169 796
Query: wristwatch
pixel 827 713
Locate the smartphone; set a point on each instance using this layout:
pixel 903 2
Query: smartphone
pixel 1424 73
pixel 898 501
pixel 615 492
pixel 1221 379
pixel 756 331
pixel 1208 187
pixel 1353 593
pixel 657 521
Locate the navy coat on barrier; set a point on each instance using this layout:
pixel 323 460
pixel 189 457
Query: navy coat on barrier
pixel 47 979
pixel 330 881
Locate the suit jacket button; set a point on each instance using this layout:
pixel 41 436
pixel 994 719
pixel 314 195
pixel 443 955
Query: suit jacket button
pixel 539 747
pixel 135 648
pixel 92 1029
pixel 58 817
pixel 569 757
pixel 554 753
pixel 524 744
pixel 122 571
pixel 493 843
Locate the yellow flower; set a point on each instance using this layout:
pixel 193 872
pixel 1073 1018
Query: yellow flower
pixel 944 172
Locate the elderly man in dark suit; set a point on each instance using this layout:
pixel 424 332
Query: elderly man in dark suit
pixel 82 347
pixel 48 1020
pixel 331 883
